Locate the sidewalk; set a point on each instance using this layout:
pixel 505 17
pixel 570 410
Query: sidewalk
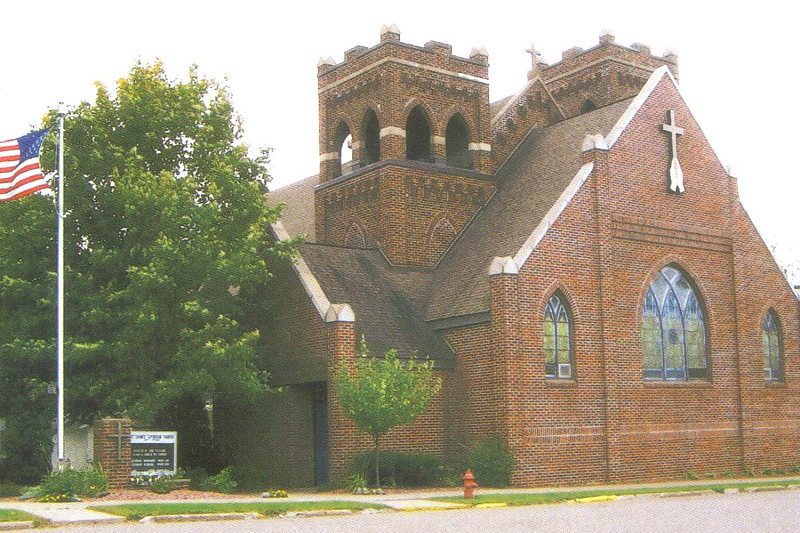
pixel 402 500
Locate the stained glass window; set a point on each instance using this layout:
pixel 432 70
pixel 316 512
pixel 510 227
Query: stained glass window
pixel 557 340
pixel 674 344
pixel 771 343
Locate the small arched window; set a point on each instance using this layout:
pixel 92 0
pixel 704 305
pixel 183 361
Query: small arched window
pixel 557 339
pixel 673 329
pixel 771 344
pixel 457 143
pixel 418 135
pixel 342 142
pixel 370 138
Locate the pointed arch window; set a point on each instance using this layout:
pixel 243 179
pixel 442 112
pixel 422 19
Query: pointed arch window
pixel 457 143
pixel 771 344
pixel 557 339
pixel 370 138
pixel 342 142
pixel 418 135
pixel 673 329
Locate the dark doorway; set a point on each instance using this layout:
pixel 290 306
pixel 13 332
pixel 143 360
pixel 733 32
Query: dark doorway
pixel 319 402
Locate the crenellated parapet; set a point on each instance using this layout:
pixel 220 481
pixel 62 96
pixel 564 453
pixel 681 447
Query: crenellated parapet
pixel 582 81
pixel 396 101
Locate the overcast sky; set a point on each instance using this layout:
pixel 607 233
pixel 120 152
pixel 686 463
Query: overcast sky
pixel 737 67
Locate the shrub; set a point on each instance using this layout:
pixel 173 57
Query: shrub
pixel 491 462
pixel 67 484
pixel 356 483
pixel 402 469
pixel 162 486
pixel 222 482
pixel 9 490
pixel 197 477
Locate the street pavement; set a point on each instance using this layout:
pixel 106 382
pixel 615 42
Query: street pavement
pixel 75 514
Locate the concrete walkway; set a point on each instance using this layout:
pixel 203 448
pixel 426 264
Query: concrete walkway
pixel 400 500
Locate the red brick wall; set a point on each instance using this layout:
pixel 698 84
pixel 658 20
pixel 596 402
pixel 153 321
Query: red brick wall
pixel 398 207
pixel 425 435
pixel 112 449
pixel 620 229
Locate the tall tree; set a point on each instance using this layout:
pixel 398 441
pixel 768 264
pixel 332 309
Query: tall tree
pixel 380 394
pixel 166 251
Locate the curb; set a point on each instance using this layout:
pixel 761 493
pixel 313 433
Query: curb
pixel 327 512
pixel 202 517
pixel 766 489
pixel 685 493
pixel 9 526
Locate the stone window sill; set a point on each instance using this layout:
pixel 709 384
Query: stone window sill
pixel 679 384
pixel 561 382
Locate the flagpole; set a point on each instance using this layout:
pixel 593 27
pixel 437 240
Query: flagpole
pixel 60 296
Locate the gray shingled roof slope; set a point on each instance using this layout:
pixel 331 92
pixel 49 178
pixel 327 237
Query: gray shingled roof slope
pixel 388 303
pixel 529 183
pixel 298 216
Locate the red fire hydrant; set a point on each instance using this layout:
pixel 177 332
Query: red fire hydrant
pixel 469 485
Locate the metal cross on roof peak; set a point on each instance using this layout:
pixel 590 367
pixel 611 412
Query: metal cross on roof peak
pixel 675 172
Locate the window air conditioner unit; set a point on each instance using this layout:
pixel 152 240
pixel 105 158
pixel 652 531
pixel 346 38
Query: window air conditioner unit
pixel 565 370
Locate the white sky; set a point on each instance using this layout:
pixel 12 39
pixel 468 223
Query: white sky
pixel 736 67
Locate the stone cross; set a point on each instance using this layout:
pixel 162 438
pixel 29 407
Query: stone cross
pixel 534 54
pixel 675 172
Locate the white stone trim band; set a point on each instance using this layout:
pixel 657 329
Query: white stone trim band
pixel 330 156
pixel 393 130
pixel 480 147
pixel 403 62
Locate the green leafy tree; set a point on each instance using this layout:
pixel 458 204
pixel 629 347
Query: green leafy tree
pixel 167 249
pixel 379 394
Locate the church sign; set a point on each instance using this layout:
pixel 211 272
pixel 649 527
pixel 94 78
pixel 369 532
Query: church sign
pixel 154 452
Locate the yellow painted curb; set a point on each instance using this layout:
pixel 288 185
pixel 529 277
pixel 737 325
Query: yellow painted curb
pixel 594 499
pixel 490 505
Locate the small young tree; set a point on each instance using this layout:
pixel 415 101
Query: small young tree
pixel 379 394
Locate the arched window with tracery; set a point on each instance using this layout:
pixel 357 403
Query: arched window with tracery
pixel 673 329
pixel 771 344
pixel 557 339
pixel 457 143
pixel 370 138
pixel 418 135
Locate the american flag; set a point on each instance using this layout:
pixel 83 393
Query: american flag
pixel 20 174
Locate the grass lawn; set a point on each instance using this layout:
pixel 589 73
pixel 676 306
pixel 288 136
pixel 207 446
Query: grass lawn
pixel 12 515
pixel 137 511
pixel 556 497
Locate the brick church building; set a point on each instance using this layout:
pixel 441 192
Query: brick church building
pixel 574 258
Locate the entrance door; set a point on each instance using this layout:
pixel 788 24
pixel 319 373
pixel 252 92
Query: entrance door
pixel 321 450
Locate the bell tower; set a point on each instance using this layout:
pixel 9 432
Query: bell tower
pixel 416 119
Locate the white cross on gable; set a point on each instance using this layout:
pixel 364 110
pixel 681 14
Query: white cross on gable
pixel 675 172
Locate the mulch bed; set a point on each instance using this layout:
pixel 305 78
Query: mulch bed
pixel 180 494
